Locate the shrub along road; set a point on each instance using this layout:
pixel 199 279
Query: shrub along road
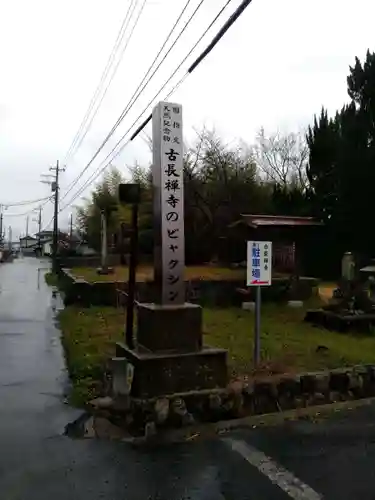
pixel 332 458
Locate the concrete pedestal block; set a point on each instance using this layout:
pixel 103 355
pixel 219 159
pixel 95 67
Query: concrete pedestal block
pixel 163 328
pixel 122 376
pixel 248 306
pixel 295 304
pixel 162 374
pixel 105 270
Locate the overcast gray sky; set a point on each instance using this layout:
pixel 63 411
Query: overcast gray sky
pixel 275 68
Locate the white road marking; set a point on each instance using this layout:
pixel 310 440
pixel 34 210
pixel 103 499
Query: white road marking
pixel 295 488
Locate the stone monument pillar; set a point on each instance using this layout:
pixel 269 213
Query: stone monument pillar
pixel 169 356
pixel 175 324
pixel 104 269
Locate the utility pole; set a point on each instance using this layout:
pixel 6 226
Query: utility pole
pixel 53 181
pixel 71 230
pixel 39 222
pixel 1 226
pixel 2 208
pixel 27 227
pixel 39 229
pixel 55 189
pixel 10 238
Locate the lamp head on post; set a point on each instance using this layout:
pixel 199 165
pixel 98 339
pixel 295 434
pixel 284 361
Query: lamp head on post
pixel 129 194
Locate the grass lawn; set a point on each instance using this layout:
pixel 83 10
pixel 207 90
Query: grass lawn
pixel 88 337
pixel 51 279
pixel 121 273
pixel 288 344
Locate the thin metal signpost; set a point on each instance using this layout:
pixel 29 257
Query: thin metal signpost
pixel 258 300
pixel 259 273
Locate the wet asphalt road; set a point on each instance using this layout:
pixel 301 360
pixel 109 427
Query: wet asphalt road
pixel 333 459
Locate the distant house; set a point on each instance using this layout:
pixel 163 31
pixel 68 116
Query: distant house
pixel 28 243
pixel 46 241
pixel 44 235
pixel 46 247
pixel 47 236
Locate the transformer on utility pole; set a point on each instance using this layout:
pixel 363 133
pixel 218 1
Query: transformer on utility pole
pixel 54 183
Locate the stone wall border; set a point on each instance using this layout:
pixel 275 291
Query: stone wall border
pixel 217 293
pixel 237 402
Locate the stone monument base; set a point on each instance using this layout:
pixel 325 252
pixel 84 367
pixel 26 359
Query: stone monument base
pixel 162 328
pixel 165 373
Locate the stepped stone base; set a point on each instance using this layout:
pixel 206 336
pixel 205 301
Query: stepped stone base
pixel 165 373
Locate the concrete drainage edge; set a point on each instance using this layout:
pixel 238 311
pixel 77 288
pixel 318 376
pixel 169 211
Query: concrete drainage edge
pixel 79 427
pixel 210 430
pixel 240 402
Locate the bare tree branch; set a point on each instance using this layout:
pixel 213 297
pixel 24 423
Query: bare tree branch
pixel 282 158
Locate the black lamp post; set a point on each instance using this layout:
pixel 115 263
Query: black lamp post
pixel 131 194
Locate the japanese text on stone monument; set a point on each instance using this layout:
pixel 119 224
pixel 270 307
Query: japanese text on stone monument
pixel 168 158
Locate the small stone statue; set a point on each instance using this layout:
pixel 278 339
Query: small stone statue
pixel 352 296
pixel 348 267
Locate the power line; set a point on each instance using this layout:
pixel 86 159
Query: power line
pixel 113 74
pixel 99 170
pixel 130 103
pixel 236 14
pixel 165 84
pixel 47 225
pixel 77 141
pixel 70 186
pixel 213 43
pixel 139 91
pixel 23 214
pixel 101 82
pixel 23 203
pixel 232 19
